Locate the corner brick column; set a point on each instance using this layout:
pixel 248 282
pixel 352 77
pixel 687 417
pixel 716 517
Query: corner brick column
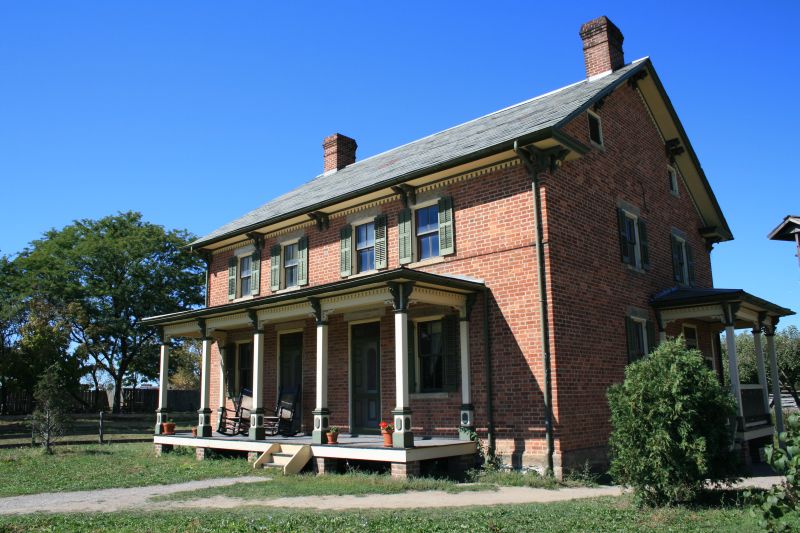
pixel 402 437
pixel 257 414
pixel 204 413
pixel 321 413
pixel 326 465
pixel 162 413
pixel 405 470
pixel 467 410
pixel 201 454
pixel 161 449
pixel 769 333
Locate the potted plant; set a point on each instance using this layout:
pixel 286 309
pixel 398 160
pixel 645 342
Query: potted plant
pixel 386 430
pixel 194 431
pixel 168 427
pixel 333 434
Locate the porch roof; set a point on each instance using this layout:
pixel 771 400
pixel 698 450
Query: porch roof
pixel 452 283
pixel 786 230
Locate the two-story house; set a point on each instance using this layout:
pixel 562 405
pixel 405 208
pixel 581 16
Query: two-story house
pixel 494 278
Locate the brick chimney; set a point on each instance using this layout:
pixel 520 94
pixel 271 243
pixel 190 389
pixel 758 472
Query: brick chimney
pixel 602 46
pixel 339 151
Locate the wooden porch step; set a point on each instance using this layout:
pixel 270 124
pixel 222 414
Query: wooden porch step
pixel 291 458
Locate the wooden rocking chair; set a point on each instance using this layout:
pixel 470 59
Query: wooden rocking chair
pixel 236 421
pixel 285 413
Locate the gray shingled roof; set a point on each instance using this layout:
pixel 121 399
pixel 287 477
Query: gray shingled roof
pixel 546 111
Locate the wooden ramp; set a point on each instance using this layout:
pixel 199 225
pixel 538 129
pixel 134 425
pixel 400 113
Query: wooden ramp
pixel 290 458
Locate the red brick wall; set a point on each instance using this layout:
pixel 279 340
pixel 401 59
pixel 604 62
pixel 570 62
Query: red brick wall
pixel 590 287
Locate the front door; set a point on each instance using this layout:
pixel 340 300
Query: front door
pixel 291 368
pixel 366 377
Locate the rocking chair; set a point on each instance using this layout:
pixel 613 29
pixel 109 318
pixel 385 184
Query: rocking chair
pixel 285 413
pixel 236 421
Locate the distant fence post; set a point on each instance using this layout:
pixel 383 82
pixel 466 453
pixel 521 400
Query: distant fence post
pixel 33 432
pixel 101 427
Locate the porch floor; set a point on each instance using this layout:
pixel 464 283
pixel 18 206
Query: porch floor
pixel 355 447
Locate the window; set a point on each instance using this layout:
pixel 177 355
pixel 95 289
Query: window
pixel 641 337
pixel 290 265
pixel 672 174
pixel 245 366
pixel 595 129
pixel 365 247
pixel 431 356
pixel 634 247
pixel 244 275
pixel 427 219
pixel 690 337
pixel 682 262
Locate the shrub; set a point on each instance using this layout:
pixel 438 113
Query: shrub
pixel 53 402
pixel 670 427
pixel 779 507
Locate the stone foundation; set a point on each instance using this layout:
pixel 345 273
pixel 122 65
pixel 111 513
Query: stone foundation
pixel 252 456
pixel 405 470
pixel 323 465
pixel 202 453
pixel 162 449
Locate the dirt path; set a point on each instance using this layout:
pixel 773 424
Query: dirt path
pixel 138 498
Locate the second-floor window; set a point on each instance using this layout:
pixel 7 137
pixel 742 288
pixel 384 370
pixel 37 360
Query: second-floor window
pixel 365 247
pixel 595 129
pixel 244 274
pixel 426 232
pixel 362 246
pixel 289 264
pixel 672 176
pixel 633 242
pixel 427 226
pixel 682 261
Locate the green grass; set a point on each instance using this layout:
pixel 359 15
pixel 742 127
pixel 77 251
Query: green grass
pixel 94 466
pixel 602 514
pixel 353 483
pixel 505 478
pixel 16 430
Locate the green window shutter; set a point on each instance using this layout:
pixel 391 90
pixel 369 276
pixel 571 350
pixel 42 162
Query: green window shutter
pixel 233 267
pixel 652 342
pixel 630 332
pixel 230 369
pixel 690 264
pixel 447 241
pixel 677 262
pixel 346 251
pixel 404 236
pixel 412 358
pixel 302 261
pixel 644 248
pixel 452 355
pixel 255 272
pixel 381 252
pixel 623 236
pixel 275 267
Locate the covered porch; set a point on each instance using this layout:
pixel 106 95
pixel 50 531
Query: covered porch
pixel 728 310
pixel 335 316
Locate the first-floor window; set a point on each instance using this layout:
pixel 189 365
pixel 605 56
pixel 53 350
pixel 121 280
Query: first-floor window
pixel 245 366
pixel 290 263
pixel 431 356
pixel 641 337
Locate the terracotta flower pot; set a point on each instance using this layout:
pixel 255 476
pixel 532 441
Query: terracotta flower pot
pixel 387 438
pixel 168 428
pixel 333 438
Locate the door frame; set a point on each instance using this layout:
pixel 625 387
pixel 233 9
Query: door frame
pixel 278 334
pixel 350 415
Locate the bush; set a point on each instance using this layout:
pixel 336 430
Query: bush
pixel 53 403
pixel 779 507
pixel 670 427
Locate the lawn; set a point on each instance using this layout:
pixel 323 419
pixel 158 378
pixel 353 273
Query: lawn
pixel 16 430
pixel 94 466
pixel 602 514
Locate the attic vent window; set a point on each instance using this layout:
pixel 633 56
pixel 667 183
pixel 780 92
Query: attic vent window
pixel 595 129
pixel 673 180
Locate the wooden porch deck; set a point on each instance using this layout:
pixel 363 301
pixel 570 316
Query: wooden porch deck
pixel 359 447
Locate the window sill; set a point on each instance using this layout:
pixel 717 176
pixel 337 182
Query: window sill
pixel 636 269
pixel 362 274
pixel 600 147
pixel 429 395
pixel 288 289
pixel 242 299
pixel 426 262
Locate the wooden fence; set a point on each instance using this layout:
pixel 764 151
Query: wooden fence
pixel 133 401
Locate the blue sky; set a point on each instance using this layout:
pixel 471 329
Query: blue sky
pixel 196 112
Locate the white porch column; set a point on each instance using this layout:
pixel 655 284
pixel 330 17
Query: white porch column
pixel 762 374
pixel 467 409
pixel 777 403
pixel 204 413
pixel 730 342
pixel 321 413
pixel 223 383
pixel 257 414
pixel 163 387
pixel 403 437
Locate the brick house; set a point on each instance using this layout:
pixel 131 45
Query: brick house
pixel 494 278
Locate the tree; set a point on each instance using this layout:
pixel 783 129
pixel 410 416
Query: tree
pixel 184 362
pixel 787 353
pixel 106 276
pixel 670 426
pixel 53 404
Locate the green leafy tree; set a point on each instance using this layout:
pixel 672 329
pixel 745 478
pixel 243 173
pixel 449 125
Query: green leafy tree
pixel 11 315
pixel 670 426
pixel 53 405
pixel 184 363
pixel 107 275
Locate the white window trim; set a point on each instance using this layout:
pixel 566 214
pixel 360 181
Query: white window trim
pixel 415 261
pixel 642 323
pixel 283 244
pixel 239 254
pixel 602 143
pixel 354 251
pixel 674 188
